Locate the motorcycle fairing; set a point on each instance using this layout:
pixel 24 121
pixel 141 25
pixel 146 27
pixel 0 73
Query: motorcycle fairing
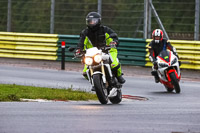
pixel 165 56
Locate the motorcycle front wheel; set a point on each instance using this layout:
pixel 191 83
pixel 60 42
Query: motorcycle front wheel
pixel 117 99
pixel 169 89
pixel 100 89
pixel 175 82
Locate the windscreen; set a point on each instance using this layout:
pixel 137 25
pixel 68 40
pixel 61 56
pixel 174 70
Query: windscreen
pixel 165 55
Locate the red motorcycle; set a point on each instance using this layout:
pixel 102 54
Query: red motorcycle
pixel 169 71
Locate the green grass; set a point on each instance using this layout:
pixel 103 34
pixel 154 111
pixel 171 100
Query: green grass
pixel 17 92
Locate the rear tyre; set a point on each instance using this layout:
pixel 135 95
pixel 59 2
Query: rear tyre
pixel 175 82
pixel 100 89
pixel 117 99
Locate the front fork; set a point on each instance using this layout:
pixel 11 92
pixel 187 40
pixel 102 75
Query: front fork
pixel 102 72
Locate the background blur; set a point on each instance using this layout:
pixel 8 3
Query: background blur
pixel 126 17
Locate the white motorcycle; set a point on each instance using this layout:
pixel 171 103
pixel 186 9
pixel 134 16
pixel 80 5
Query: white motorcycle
pixel 169 71
pixel 100 75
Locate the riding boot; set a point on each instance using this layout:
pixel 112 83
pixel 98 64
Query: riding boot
pixel 155 74
pixel 116 73
pixel 93 89
pixel 85 75
pixel 156 79
pixel 121 79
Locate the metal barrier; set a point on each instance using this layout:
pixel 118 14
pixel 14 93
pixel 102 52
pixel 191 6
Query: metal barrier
pixel 28 45
pixel 71 41
pixel 130 51
pixel 188 51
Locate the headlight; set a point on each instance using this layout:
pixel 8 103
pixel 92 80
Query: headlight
pixel 97 58
pixel 174 61
pixel 163 65
pixel 88 61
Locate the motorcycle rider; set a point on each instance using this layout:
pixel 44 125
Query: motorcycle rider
pixel 155 47
pixel 95 35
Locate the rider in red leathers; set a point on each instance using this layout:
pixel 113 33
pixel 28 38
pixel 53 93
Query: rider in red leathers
pixel 155 47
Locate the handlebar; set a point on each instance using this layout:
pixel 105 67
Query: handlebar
pixel 104 49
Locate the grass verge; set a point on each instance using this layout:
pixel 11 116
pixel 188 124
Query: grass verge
pixel 17 92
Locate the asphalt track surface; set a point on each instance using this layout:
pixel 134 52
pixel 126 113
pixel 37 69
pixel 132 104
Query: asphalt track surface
pixel 162 113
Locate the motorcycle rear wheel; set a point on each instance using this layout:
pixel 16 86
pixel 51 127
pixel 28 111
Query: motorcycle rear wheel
pixel 100 89
pixel 117 99
pixel 175 82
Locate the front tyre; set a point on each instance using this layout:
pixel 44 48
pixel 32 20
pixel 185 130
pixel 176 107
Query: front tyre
pixel 100 89
pixel 175 82
pixel 169 89
pixel 117 99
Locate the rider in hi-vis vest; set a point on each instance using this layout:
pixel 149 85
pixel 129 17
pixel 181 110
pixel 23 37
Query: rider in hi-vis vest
pixel 95 35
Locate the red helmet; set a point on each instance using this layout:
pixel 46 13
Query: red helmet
pixel 157 35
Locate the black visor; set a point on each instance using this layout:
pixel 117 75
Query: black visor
pixel 91 22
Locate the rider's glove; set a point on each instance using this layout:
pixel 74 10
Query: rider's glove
pixel 78 52
pixel 113 44
pixel 176 55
